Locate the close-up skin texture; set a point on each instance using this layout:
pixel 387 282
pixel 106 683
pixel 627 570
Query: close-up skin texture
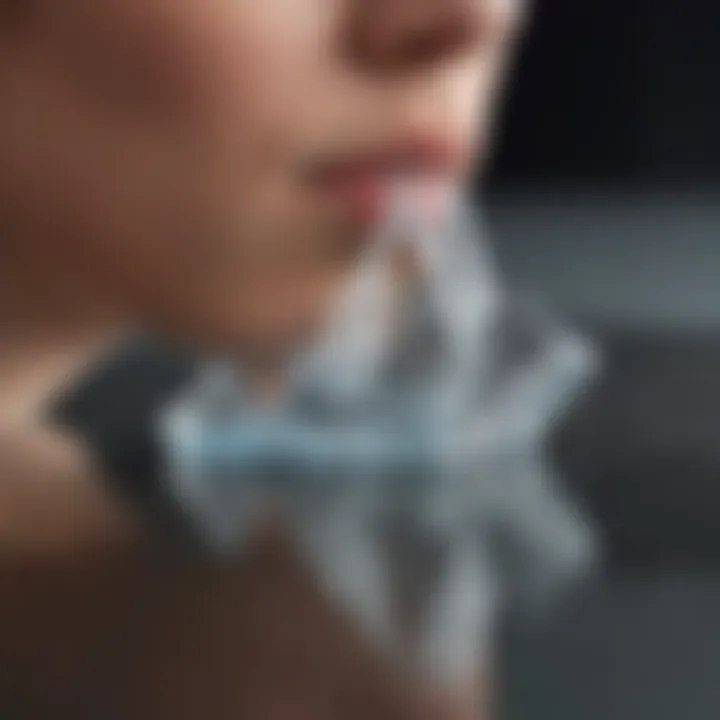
pixel 184 162
pixel 205 170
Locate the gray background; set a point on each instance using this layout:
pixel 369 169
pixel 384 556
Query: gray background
pixel 605 197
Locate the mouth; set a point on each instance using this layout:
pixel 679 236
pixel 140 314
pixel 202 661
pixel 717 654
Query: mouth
pixel 360 183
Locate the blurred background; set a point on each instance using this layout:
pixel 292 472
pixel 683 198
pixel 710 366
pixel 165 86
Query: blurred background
pixel 605 197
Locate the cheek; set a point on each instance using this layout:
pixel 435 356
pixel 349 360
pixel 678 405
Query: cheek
pixel 136 58
pixel 230 79
pixel 257 64
pixel 223 71
pixel 132 103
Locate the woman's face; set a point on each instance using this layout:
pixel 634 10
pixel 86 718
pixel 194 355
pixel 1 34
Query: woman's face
pixel 213 166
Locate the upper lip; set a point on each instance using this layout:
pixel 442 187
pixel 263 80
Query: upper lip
pixel 426 155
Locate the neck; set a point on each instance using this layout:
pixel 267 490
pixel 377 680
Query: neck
pixel 48 331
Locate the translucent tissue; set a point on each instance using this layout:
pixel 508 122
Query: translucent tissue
pixel 408 432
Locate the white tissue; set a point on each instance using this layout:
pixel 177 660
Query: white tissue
pixel 386 428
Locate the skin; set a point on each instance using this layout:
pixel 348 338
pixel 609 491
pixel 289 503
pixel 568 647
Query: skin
pixel 156 168
pixel 158 151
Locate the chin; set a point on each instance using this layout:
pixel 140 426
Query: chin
pixel 251 318
pixel 220 333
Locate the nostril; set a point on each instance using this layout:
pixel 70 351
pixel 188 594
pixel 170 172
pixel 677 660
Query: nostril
pixel 400 35
pixel 426 46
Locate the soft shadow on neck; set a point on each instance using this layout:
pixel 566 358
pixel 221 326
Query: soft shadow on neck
pixel 49 331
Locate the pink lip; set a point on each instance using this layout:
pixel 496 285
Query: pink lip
pixel 361 182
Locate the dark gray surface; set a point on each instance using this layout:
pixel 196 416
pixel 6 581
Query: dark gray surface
pixel 641 273
pixel 646 647
pixel 645 259
pixel 643 451
pixel 643 448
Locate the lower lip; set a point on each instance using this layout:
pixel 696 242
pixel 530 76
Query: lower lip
pixel 363 196
pixel 366 197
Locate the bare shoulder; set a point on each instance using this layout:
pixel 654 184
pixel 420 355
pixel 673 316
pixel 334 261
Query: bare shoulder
pixel 88 612
pixel 53 501
pixel 92 612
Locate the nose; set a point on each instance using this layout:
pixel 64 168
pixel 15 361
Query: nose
pixel 402 35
